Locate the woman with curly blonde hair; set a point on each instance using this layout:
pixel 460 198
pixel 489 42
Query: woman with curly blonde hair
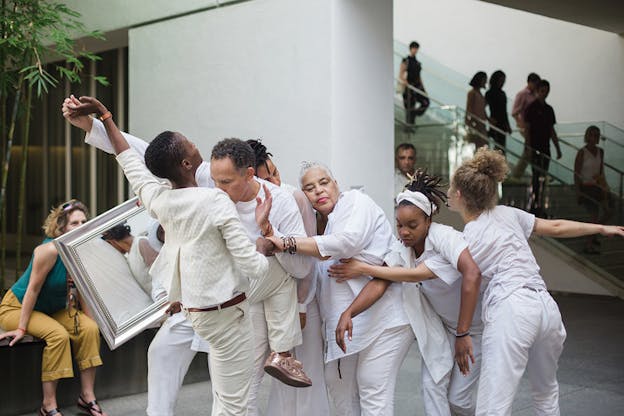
pixel 523 327
pixel 39 303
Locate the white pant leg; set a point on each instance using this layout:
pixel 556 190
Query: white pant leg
pixel 543 359
pixel 435 395
pixel 342 387
pixel 261 352
pixel 462 390
pixel 312 401
pixel 378 367
pixel 228 332
pixel 511 329
pixel 168 359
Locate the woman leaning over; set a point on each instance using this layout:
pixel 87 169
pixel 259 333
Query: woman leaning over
pixel 361 380
pixel 38 304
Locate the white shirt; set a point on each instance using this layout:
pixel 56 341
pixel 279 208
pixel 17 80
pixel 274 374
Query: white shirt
pixel 139 269
pixel 356 228
pixel 205 243
pixel 498 241
pixel 285 219
pixel 400 180
pixel 97 137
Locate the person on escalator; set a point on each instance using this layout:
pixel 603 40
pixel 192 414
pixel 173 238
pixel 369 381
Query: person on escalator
pixel 409 75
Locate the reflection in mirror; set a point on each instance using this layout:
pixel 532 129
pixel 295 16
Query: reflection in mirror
pixel 109 258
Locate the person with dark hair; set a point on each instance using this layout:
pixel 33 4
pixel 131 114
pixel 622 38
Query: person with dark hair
pixel 41 303
pixel 497 102
pixel 284 399
pixel 475 111
pixel 443 308
pixel 592 189
pixel 409 76
pixel 274 309
pixel 207 259
pixel 523 99
pixel 137 250
pixel 523 329
pixel 404 165
pixel 540 129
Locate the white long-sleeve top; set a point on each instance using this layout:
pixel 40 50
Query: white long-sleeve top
pixel 356 228
pixel 285 219
pixel 206 244
pixel 97 137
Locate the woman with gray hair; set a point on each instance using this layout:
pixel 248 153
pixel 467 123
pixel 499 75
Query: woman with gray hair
pixel 360 380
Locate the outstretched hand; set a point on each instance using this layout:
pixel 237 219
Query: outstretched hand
pixel 263 209
pixel 612 230
pixel 346 269
pixel 464 354
pixel 345 324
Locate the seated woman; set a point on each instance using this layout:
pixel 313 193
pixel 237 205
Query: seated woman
pixel 39 304
pixel 440 296
pixel 362 379
pixel 138 252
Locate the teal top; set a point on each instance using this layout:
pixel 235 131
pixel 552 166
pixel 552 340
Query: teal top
pixel 53 295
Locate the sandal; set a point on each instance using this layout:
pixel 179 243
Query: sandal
pixel 92 408
pixel 51 412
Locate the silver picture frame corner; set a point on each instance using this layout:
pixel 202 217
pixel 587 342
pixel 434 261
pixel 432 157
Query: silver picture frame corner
pixel 119 305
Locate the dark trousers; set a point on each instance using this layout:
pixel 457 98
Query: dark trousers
pixel 539 164
pixel 410 98
pixel 499 138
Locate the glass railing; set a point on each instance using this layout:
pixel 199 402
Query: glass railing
pixel 439 137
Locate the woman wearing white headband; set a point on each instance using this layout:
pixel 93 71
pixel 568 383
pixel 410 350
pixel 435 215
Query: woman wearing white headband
pixel 441 310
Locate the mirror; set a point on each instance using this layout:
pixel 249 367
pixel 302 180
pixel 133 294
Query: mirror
pixel 109 259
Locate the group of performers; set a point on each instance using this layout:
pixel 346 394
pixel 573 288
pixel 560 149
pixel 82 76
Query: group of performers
pixel 309 284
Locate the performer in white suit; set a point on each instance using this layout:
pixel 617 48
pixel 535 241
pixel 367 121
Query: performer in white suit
pixel 523 327
pixel 440 309
pixel 205 248
pixel 362 380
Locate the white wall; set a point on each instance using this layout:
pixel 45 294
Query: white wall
pixel 308 77
pixel 585 66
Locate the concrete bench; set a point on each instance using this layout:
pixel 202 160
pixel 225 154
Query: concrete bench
pixel 26 340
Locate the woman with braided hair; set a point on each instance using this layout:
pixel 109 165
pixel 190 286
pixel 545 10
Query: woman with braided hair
pixel 522 323
pixel 442 307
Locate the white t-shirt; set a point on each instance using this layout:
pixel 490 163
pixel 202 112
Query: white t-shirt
pixel 356 228
pixel 498 241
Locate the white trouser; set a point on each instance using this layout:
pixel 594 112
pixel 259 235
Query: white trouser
pixel 168 359
pixel 455 394
pixel 311 401
pixel 275 321
pixel 522 331
pixel 228 332
pixel 363 383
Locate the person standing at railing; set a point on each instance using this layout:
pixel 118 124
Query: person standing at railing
pixel 475 111
pixel 591 185
pixel 409 74
pixel 540 129
pixel 497 102
pixel 523 99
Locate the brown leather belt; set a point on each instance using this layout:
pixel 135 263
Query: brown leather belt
pixel 234 301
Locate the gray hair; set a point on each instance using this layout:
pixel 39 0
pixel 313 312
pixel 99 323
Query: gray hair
pixel 306 166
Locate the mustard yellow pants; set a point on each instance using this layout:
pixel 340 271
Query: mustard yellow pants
pixel 58 331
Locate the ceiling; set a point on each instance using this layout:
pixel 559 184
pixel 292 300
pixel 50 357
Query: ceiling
pixel 600 14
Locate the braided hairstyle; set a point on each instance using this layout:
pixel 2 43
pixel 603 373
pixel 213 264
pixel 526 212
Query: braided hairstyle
pixel 118 232
pixel 260 152
pixel 428 185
